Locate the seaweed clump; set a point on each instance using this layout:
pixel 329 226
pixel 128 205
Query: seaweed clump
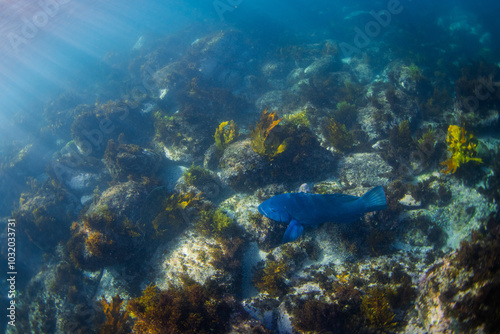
pixel 116 320
pixel 376 308
pixel 129 160
pixel 266 138
pixel 194 309
pixel 172 219
pixel 319 316
pixel 346 113
pixel 103 239
pixel 339 137
pixel 271 278
pixel 225 134
pixel 299 119
pixel 214 223
pixel 472 295
pixel 196 176
pixel 462 147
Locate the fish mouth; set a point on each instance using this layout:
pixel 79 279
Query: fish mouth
pixel 265 212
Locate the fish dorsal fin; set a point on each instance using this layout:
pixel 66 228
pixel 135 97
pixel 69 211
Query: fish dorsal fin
pixel 293 231
pixel 342 197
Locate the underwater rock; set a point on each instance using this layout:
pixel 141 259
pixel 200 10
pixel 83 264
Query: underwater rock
pixel 262 309
pixel 202 180
pixel 301 158
pixel 195 257
pixel 58 299
pixel 368 124
pixel 112 282
pixel 364 169
pixel 243 324
pixel 30 160
pixel 407 77
pixel 410 202
pixel 272 100
pixel 363 73
pixel 460 292
pixel 322 294
pixel 220 52
pixel 128 159
pixel 83 182
pixel 465 212
pixel 242 168
pixel 221 58
pixel 124 199
pixel 295 76
pixel 94 126
pixel 179 141
pixel 323 90
pixel 45 216
pixel 385 110
pixel 267 233
pixel 109 232
pixel 80 174
pixel 274 72
pixel 212 156
pixel 323 66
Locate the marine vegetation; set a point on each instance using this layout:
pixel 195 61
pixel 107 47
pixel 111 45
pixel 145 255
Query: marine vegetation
pixel 491 187
pixel 130 161
pixel 426 147
pixel 194 309
pixel 413 71
pixel 479 79
pixel 402 148
pixel 346 113
pixel 376 308
pixel 171 220
pixel 462 146
pixel 401 139
pixel 350 91
pixel 319 317
pixel 42 217
pixel 102 239
pixel 339 137
pixel 116 320
pixel 271 278
pixel 298 120
pixel 472 281
pixel 196 176
pixel 213 223
pixel 266 136
pixel 225 134
pixel 95 125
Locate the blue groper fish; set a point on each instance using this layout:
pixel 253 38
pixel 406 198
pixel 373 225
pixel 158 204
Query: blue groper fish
pixel 303 209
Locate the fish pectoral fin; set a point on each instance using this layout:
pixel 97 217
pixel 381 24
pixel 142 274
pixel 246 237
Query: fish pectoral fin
pixel 293 231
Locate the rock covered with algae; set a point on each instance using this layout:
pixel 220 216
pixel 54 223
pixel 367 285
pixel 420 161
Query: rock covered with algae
pixel 459 293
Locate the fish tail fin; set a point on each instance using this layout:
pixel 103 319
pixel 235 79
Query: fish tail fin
pixel 375 199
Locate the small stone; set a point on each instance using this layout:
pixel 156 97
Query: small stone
pixel 409 201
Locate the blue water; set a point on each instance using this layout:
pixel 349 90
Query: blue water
pixel 49 48
pixel 73 36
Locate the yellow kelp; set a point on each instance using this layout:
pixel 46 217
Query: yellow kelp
pixel 462 145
